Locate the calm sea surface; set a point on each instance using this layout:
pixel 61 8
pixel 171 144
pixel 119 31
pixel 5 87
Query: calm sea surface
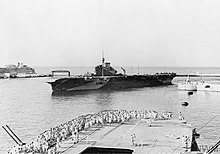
pixel 28 107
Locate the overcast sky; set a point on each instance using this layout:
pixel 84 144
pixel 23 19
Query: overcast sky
pixel 131 32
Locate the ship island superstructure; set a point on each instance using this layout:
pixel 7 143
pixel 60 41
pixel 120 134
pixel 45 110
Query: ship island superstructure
pixel 107 78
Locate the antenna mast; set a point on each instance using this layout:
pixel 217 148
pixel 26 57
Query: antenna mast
pixel 103 62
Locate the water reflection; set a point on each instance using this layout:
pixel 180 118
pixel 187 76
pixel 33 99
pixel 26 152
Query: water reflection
pixel 105 99
pixel 71 94
pixel 102 99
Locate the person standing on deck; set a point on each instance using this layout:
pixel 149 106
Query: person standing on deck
pixel 58 142
pixel 133 139
pixel 181 116
pixel 185 141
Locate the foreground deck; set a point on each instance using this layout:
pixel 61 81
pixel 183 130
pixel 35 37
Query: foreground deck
pixel 163 136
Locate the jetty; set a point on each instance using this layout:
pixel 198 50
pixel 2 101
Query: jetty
pixel 198 75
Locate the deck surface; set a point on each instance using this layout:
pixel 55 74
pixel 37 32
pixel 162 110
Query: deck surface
pixel 164 136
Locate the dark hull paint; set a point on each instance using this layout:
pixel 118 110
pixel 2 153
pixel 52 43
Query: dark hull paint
pixel 137 82
pixel 67 85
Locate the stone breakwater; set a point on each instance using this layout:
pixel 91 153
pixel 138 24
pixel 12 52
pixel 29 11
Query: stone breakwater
pixel 49 141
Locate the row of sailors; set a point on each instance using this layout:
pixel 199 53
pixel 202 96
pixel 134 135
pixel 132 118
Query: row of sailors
pixel 49 141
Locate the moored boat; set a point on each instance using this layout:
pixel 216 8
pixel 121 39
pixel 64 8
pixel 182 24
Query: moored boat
pixel 215 88
pixel 202 86
pixel 188 85
pixel 198 86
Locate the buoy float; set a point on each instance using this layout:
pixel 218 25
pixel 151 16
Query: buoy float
pixel 190 93
pixel 185 103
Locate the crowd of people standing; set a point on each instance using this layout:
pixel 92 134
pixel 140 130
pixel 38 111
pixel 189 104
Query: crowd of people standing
pixel 49 141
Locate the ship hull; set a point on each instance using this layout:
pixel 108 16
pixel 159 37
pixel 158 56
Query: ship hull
pixel 65 85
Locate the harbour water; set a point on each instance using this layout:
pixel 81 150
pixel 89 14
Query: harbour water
pixel 27 106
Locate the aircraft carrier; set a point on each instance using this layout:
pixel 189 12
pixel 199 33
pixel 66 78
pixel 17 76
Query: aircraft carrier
pixel 107 78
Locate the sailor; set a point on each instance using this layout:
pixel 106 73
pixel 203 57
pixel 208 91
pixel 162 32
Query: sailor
pixel 122 119
pixel 149 122
pixel 169 115
pixel 181 116
pixel 110 119
pixel 132 139
pixel 185 140
pixel 58 142
pixel 76 134
pixel 149 113
pixel 49 151
pixel 164 115
pixel 135 140
pixel 55 150
pixel 74 138
pixel 46 146
pixel 154 114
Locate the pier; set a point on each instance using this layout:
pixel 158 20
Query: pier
pixel 198 75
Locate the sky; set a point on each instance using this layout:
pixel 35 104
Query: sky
pixel 161 33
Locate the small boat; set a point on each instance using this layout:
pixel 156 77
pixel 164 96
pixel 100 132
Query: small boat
pixel 215 88
pixel 202 86
pixel 188 85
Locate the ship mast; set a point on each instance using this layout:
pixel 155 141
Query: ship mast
pixel 103 62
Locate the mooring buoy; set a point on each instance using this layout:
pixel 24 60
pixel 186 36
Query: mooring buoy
pixel 185 103
pixel 190 93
